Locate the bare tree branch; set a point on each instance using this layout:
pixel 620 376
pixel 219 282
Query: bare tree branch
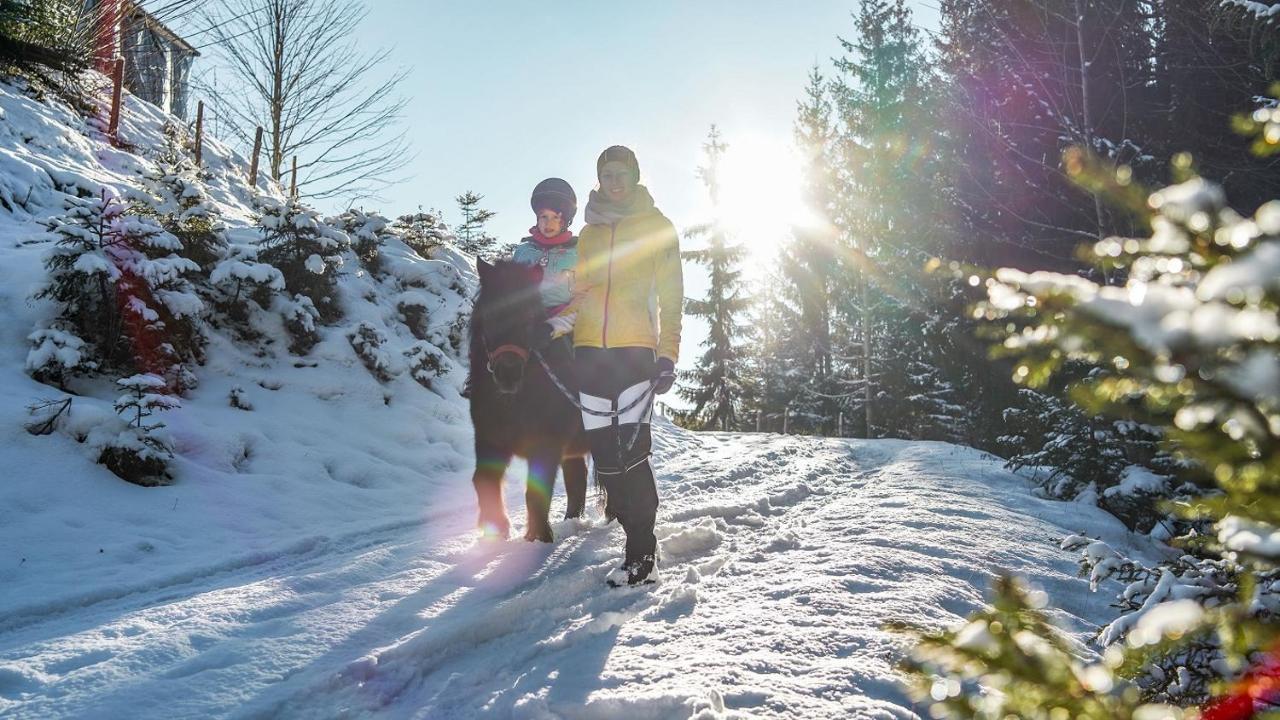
pixel 296 72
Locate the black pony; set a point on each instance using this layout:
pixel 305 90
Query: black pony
pixel 515 408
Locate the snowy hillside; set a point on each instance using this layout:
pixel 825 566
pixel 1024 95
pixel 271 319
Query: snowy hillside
pixel 313 446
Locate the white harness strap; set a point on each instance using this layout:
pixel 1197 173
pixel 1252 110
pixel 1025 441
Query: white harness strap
pixel 641 413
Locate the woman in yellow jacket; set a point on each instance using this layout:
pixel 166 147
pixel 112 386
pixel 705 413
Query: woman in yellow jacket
pixel 628 298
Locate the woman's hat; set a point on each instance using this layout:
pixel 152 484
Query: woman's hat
pixel 619 153
pixel 555 194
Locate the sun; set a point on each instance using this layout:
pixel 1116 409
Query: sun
pixel 761 198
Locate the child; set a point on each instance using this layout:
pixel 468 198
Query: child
pixel 552 246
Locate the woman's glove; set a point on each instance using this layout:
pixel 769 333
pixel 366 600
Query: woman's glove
pixel 666 376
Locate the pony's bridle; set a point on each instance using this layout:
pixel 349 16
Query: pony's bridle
pixel 522 353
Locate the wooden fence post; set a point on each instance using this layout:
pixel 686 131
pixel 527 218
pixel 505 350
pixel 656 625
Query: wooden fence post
pixel 786 420
pixel 199 131
pixel 757 420
pixel 117 85
pixel 293 179
pixel 253 164
pixel 841 430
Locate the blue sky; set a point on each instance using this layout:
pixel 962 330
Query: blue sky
pixel 503 94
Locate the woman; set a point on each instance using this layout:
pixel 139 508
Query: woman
pixel 628 296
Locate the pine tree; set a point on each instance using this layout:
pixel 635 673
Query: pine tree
pixel 174 195
pixel 422 231
pixel 715 385
pixel 123 298
pixel 881 103
pixel 1191 341
pixel 368 232
pixel 809 263
pixel 139 454
pixel 306 251
pixel 472 238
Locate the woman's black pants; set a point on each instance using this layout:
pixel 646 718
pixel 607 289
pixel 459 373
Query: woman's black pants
pixel 608 380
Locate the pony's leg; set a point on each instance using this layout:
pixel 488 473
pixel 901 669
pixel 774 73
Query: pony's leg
pixel 575 486
pixel 490 467
pixel 537 496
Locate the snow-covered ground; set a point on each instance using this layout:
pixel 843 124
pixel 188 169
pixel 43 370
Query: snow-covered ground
pixel 316 556
pixel 783 558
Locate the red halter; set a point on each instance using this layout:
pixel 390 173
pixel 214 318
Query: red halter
pixel 522 352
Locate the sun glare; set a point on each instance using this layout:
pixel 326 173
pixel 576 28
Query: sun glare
pixel 760 193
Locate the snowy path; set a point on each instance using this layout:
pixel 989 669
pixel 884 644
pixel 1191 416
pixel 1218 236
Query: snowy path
pixel 783 557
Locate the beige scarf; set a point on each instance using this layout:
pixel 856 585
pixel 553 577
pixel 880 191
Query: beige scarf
pixel 600 211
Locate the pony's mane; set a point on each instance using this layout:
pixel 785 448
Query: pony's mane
pixel 507 277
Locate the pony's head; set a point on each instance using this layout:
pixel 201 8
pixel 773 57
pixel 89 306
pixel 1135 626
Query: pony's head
pixel 506 310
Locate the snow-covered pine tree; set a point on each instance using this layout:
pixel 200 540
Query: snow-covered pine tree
pixel 175 196
pixel 122 291
pixel 422 231
pixel 778 390
pixel 918 393
pixel 140 454
pixel 1192 339
pixel 882 240
pixel 808 266
pixel 472 238
pixel 369 344
pixel 1069 450
pixel 715 385
pixel 368 232
pixel 239 279
pixel 306 251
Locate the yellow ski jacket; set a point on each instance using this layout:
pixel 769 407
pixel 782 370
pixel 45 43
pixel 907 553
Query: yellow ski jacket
pixel 628 285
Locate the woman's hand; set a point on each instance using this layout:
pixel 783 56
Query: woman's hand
pixel 666 376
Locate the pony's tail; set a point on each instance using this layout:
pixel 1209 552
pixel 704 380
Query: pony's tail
pixel 602 496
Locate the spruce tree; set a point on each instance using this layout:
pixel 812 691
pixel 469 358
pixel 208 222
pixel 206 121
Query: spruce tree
pixel 139 454
pixel 422 231
pixel 175 196
pixel 715 385
pixel 123 298
pixel 472 238
pixel 306 250
pixel 1192 341
pixel 882 197
pixel 809 264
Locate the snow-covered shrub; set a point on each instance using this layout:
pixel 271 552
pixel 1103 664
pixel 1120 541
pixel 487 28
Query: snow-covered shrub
pixel 239 279
pixel 236 399
pixel 305 249
pixel 55 355
pixel 423 232
pixel 414 310
pixel 426 362
pixel 1068 449
pixel 370 345
pixel 300 318
pixel 175 196
pixel 368 232
pixel 121 290
pixel 1192 339
pixel 140 454
pixel 1185 675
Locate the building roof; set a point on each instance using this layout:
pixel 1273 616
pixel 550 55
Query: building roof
pixel 135 10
